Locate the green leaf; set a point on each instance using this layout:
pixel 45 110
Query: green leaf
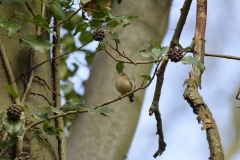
pixel 85 37
pixel 8 2
pixel 50 130
pixel 105 110
pixel 14 128
pixel 145 53
pixel 1 115
pixel 113 24
pixel 85 1
pixel 11 27
pixel 178 44
pixel 10 89
pixel 101 110
pixel 42 116
pixel 158 52
pixel 71 23
pixel 119 67
pixel 126 19
pixel 156 44
pixel 36 42
pixel 71 106
pixel 81 27
pixel 68 42
pixel 56 10
pixel 55 110
pixel 94 23
pixel 105 9
pixel 192 60
pixel 5 144
pixel 39 19
pixel 140 49
pixel 147 77
pixel 114 36
pixel 125 25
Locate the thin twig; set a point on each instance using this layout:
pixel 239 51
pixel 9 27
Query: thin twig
pixel 38 65
pixel 222 56
pixel 39 78
pixel 33 93
pixel 57 25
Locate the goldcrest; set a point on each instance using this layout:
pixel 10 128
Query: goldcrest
pixel 124 85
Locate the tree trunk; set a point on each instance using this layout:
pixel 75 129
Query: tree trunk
pixel 21 59
pixel 97 137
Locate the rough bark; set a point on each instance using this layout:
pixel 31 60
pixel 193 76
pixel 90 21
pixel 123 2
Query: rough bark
pixel 19 58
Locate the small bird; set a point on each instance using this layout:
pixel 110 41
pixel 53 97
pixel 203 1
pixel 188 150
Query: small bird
pixel 124 85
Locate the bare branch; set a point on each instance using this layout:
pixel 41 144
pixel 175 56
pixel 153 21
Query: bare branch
pixel 222 56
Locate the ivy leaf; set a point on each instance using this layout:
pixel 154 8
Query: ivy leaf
pixel 114 36
pixel 39 19
pixel 85 1
pixel 11 27
pixel 101 46
pixel 85 37
pixel 50 130
pixel 8 2
pixel 42 116
pixel 55 110
pixel 143 50
pixel 105 9
pixel 126 19
pixel 147 77
pixel 36 42
pixel 71 106
pixel 119 67
pixel 101 110
pixel 158 52
pixel 192 60
pixel 14 128
pixel 113 24
pixel 81 27
pixel 145 53
pixel 178 44
pixel 156 44
pixel 5 144
pixel 10 89
pixel 56 10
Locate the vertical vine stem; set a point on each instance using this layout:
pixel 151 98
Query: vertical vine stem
pixel 56 88
pixel 191 93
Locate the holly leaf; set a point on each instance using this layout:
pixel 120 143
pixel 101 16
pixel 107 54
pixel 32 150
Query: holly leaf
pixel 10 89
pixel 36 42
pixel 14 128
pixel 192 60
pixel 119 67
